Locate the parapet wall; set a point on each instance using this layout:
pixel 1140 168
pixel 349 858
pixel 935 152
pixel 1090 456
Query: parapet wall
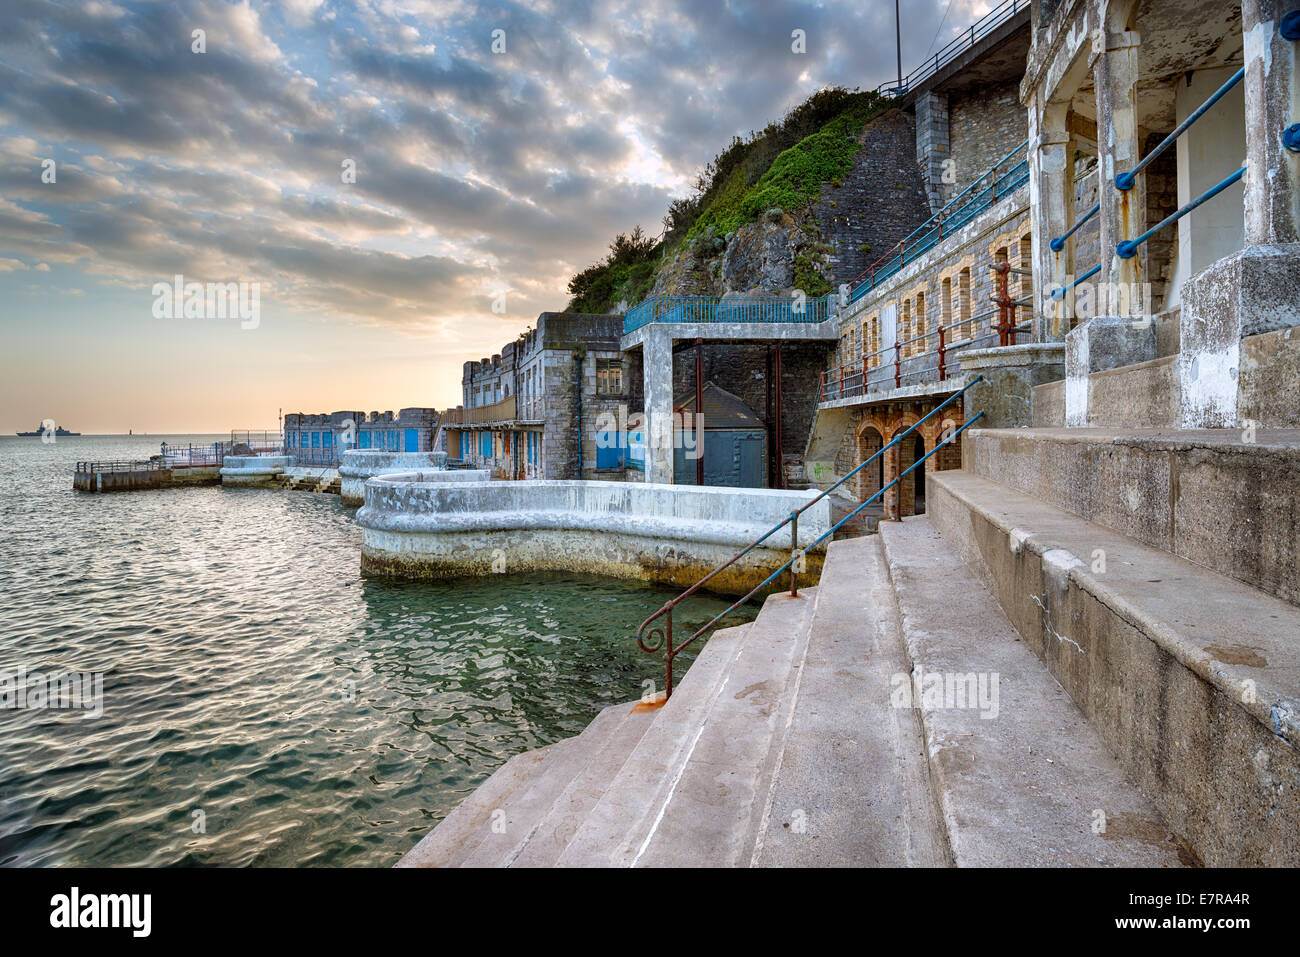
pixel 252 470
pixel 669 534
pixel 357 465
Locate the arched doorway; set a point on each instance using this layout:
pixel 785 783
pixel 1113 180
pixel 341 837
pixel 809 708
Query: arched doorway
pixel 869 480
pixel 918 475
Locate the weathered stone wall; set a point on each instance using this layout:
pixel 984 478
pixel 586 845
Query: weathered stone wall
pixel 984 126
pixel 881 200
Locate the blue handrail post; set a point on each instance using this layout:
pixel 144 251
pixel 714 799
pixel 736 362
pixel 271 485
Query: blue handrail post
pixel 1126 181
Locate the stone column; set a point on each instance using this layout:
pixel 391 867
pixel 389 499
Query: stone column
pixel 932 145
pixel 1272 105
pixel 1256 290
pixel 1051 191
pixel 1115 73
pixel 657 365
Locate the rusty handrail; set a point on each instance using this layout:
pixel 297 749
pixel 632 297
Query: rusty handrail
pixel 657 639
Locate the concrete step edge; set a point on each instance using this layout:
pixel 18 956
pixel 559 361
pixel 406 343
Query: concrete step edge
pixel 773 642
pixel 445 843
pixel 1276 708
pixel 997 820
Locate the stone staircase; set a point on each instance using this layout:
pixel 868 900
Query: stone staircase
pixel 786 745
pixel 324 484
pixel 1154 573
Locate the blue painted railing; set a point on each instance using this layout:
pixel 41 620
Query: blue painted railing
pixel 1058 243
pixel 1128 248
pixel 1126 181
pixel 988 188
pixel 710 309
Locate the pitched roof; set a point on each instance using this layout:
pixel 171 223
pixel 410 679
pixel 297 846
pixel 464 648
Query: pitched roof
pixel 722 410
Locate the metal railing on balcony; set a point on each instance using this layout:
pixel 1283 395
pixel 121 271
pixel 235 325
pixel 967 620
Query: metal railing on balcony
pixel 993 185
pixel 654 640
pixel 889 368
pixel 710 309
pixel 955 47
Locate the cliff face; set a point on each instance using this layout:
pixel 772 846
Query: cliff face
pixel 851 224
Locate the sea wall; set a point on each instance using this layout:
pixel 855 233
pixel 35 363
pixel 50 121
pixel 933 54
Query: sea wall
pixel 357 465
pixel 670 534
pixel 256 471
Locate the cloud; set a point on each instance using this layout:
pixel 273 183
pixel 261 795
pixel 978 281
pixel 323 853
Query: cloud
pixel 475 171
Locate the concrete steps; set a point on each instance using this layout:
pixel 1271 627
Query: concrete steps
pixel 1190 678
pixel 1222 498
pixel 695 789
pixel 1019 776
pixel 685 783
pixel 853 787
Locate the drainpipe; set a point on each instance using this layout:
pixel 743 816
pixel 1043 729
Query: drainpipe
pixel 577 394
pixel 699 412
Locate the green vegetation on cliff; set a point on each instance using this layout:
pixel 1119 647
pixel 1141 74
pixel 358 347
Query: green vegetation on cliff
pixel 785 165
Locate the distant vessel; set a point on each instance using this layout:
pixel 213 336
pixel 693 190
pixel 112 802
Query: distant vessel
pixel 41 431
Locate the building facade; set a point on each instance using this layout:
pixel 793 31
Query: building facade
pixel 542 407
pixel 318 439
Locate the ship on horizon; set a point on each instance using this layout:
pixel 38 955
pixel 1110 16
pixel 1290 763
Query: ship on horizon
pixel 41 430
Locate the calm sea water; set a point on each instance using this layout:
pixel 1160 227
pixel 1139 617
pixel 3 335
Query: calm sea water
pixel 312 716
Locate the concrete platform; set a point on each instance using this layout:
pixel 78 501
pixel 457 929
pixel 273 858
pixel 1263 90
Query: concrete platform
pixel 1221 498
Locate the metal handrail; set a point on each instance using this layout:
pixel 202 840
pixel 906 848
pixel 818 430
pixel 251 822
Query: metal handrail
pixel 1058 243
pixel 658 638
pixel 949 51
pixel 713 309
pixel 1126 181
pixel 932 230
pixel 1128 248
pixel 860 367
pixel 1059 293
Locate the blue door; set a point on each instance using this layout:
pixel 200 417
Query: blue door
pixel 412 440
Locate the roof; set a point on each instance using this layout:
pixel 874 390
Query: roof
pixel 722 410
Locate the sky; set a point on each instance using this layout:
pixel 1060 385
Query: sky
pixel 398 186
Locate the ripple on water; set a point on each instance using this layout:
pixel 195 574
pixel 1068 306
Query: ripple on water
pixel 312 715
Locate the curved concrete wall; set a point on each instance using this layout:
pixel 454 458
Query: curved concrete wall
pixel 252 470
pixel 357 465
pixel 672 534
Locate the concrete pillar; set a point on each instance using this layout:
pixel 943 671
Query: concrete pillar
pixel 1272 105
pixel 657 366
pixel 1051 190
pixel 933 145
pixel 1115 73
pixel 1255 290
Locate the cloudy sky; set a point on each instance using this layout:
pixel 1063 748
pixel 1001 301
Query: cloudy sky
pixel 482 177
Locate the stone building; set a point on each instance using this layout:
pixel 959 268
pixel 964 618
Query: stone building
pixel 535 409
pixel 318 439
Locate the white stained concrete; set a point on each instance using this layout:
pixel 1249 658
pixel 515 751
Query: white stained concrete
pixel 418 528
pixel 357 465
pixel 252 469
